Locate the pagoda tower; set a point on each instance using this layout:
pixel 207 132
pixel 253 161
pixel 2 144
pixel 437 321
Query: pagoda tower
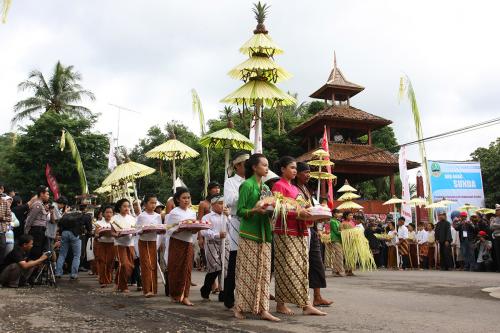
pixel 349 132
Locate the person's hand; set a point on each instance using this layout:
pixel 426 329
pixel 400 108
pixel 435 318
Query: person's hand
pixel 226 211
pixel 259 210
pixel 304 214
pixel 446 243
pixel 43 257
pixel 222 234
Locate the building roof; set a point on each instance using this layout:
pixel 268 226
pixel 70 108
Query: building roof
pixel 343 113
pixel 337 84
pixel 341 153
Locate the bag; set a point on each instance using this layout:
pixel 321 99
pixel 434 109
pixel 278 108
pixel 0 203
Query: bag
pixel 90 250
pixel 15 222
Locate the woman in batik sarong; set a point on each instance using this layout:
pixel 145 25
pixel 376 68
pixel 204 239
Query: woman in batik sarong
pixel 180 248
pixel 253 261
pixel 291 259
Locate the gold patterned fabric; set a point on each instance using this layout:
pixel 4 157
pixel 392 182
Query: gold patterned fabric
pixel 253 276
pixel 291 262
pixel 334 257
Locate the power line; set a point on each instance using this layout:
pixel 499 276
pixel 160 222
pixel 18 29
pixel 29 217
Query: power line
pixel 443 135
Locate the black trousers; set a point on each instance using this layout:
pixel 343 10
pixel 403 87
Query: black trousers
pixel 39 242
pixel 316 268
pixel 496 253
pixel 135 278
pixel 445 259
pixel 406 262
pixel 207 285
pixel 230 280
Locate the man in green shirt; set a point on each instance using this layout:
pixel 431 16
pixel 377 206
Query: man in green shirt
pixel 334 257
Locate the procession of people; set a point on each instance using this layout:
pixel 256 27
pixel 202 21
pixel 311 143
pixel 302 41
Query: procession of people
pixel 246 245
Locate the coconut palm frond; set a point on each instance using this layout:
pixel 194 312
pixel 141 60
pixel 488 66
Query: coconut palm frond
pixel 59 94
pixel 198 111
pixel 66 137
pixel 25 114
pixel 406 86
pixel 5 10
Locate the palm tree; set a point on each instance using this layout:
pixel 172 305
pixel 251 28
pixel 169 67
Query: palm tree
pixel 58 95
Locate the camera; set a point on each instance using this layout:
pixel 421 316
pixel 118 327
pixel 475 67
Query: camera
pixel 48 254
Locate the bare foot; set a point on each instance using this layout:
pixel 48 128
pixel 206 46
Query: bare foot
pixel 193 284
pixel 103 285
pixel 322 302
pixel 186 301
pixel 125 291
pixel 282 308
pixel 238 314
pixel 148 295
pixel 309 310
pixel 265 315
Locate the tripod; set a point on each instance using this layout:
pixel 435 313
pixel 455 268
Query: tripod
pixel 46 275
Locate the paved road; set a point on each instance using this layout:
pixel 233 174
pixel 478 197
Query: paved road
pixel 414 301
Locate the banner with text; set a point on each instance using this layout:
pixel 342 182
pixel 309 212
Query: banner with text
pixel 456 181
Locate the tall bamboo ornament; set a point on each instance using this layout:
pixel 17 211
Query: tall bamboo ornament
pixel 406 86
pixel 259 74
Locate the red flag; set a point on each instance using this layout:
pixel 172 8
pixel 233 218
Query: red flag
pixel 51 180
pixel 324 145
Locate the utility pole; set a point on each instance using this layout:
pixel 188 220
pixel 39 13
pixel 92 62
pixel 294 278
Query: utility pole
pixel 120 109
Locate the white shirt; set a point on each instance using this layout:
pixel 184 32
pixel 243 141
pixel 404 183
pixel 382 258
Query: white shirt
pixel 422 236
pixel 394 240
pixel 455 237
pixel 126 222
pixel 360 226
pixel 231 195
pixel 403 232
pixel 219 224
pixel 176 216
pixel 105 239
pixel 145 218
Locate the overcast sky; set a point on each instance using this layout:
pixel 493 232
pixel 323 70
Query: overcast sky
pixel 147 55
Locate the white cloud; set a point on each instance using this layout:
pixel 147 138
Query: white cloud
pixel 148 55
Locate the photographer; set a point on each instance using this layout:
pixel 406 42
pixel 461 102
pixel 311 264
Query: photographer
pixel 37 220
pixel 71 226
pixel 16 268
pixel 484 262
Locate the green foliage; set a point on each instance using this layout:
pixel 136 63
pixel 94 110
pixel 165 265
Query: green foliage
pixel 58 95
pixel 490 170
pixel 386 139
pixel 260 11
pixel 38 144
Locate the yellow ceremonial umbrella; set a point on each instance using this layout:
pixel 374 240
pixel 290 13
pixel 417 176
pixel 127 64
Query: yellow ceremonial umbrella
pixel 467 207
pixel 172 150
pixel 349 205
pixel 321 153
pixel 346 188
pixel 417 201
pixel 393 201
pixel 348 196
pixel 435 205
pixel 486 211
pixel 447 202
pixel 320 163
pixel 322 175
pixel 127 171
pixel 226 139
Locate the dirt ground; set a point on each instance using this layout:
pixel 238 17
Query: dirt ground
pixel 412 301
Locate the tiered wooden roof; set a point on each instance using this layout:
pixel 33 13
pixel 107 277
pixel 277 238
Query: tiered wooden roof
pixel 337 86
pixel 340 115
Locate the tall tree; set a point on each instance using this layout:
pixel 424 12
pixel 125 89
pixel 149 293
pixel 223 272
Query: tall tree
pixel 61 94
pixel 490 170
pixel 39 144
